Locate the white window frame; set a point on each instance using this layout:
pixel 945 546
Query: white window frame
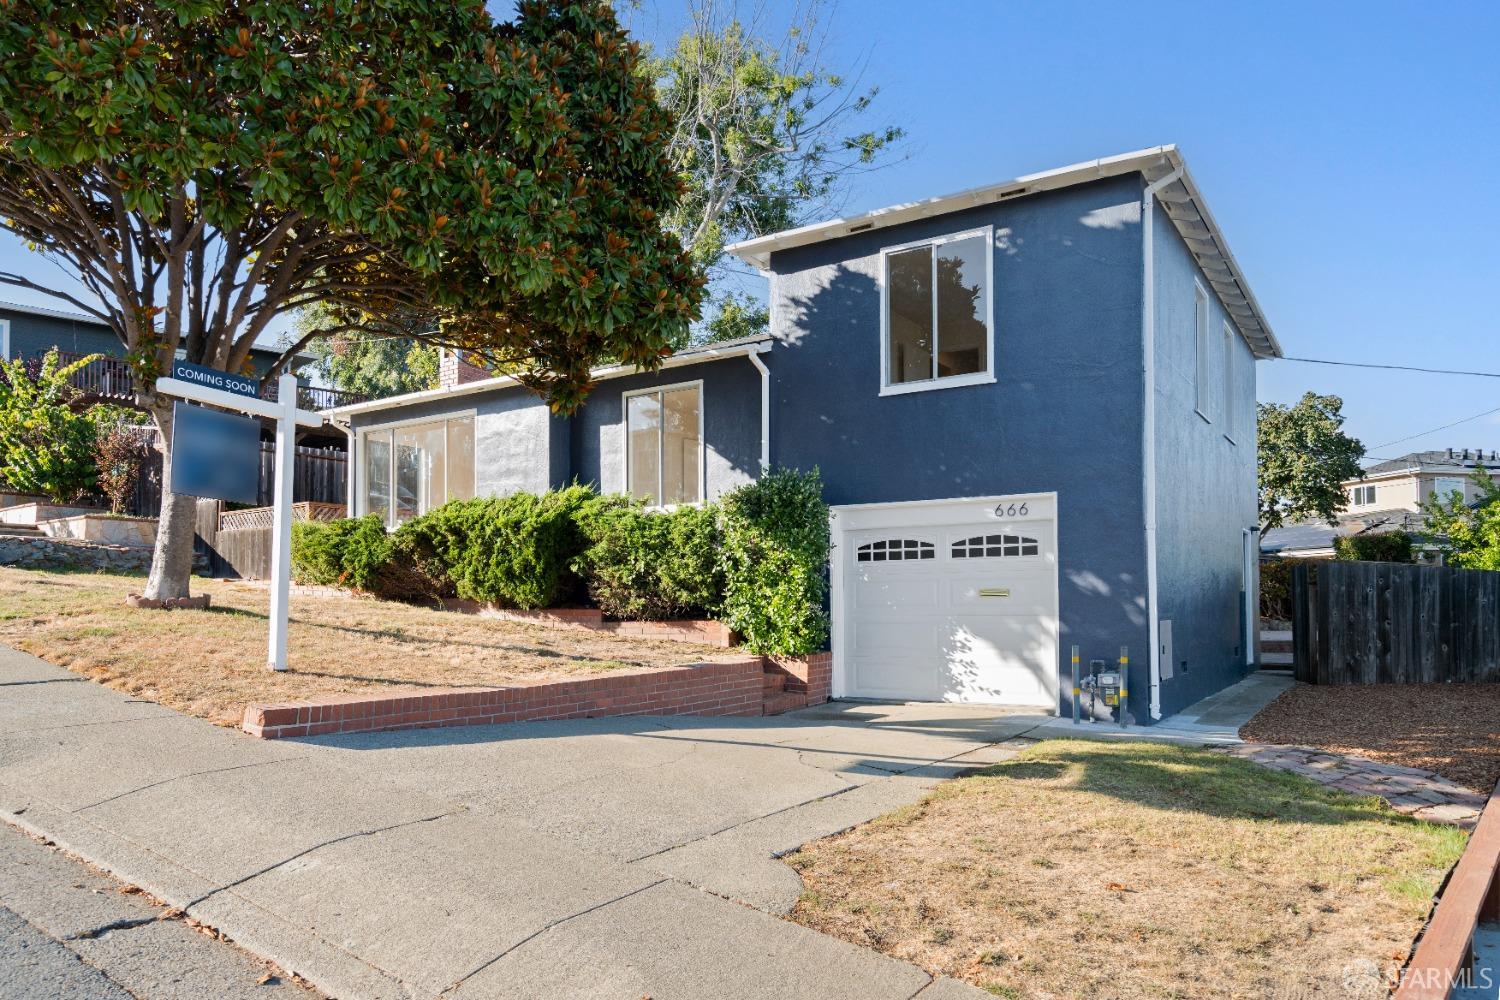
pixel 937 382
pixel 696 383
pixel 1462 486
pixel 4 339
pixel 1357 496
pixel 1230 425
pixel 362 433
pixel 1201 367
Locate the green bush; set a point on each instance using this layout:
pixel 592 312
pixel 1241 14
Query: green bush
pixel 46 444
pixel 1388 546
pixel 775 563
pixel 1276 589
pixel 515 551
pixel 348 553
pixel 646 565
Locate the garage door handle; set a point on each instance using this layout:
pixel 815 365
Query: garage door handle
pixel 994 591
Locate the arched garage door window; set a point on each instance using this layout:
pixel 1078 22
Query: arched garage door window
pixel 895 550
pixel 994 547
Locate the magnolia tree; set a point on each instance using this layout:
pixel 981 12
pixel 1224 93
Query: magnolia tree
pixel 202 169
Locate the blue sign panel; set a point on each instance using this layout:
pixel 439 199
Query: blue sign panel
pixel 215 379
pixel 215 454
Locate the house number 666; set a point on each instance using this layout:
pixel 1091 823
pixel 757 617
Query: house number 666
pixel 1011 509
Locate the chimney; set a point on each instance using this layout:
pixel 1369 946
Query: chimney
pixel 455 370
pixel 1450 452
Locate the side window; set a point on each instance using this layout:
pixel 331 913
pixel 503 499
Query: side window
pixel 1362 496
pixel 994 547
pixel 895 550
pixel 1229 393
pixel 1200 341
pixel 935 312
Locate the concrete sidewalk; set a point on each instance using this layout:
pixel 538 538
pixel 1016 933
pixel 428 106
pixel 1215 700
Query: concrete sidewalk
pixel 595 858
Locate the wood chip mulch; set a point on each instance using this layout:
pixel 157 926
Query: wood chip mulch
pixel 1449 729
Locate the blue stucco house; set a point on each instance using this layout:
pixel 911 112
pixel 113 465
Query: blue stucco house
pixel 1032 404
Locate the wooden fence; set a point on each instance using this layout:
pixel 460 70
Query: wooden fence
pixel 1370 623
pixel 318 477
pixel 238 542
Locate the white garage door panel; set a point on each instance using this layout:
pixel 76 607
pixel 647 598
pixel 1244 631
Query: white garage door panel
pixel 877 593
pixel 949 601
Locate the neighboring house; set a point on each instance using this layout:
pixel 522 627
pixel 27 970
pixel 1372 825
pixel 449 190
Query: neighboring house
pixel 1032 405
pixel 1388 498
pixel 31 331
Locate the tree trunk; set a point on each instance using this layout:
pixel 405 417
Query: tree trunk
pixel 172 561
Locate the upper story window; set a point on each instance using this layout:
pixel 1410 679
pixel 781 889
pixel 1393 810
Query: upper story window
pixel 664 444
pixel 1200 343
pixel 1362 496
pixel 937 321
pixel 409 469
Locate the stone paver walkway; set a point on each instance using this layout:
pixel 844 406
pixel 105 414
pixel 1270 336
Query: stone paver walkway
pixel 1416 793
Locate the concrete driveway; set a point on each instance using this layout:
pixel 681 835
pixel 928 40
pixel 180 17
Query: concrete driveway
pixel 596 858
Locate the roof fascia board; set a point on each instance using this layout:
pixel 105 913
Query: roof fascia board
pixel 507 381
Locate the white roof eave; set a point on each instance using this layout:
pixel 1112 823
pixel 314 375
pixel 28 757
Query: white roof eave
pixel 762 346
pixel 1204 237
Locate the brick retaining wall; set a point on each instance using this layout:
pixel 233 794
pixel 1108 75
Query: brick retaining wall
pixel 729 687
pixel 811 674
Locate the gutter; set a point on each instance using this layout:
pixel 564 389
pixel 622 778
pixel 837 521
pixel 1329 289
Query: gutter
pixel 765 405
pixel 1148 423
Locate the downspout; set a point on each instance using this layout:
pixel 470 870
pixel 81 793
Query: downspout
pixel 1148 423
pixel 765 406
pixel 351 477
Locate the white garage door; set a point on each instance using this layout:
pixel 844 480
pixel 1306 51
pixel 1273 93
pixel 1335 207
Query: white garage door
pixel 948 601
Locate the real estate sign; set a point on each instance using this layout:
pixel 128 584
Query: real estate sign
pixel 215 454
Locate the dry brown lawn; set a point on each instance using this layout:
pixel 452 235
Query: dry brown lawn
pixel 212 663
pixel 1132 870
pixel 1450 729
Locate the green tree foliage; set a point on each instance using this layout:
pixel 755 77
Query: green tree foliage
pixel 775 563
pixel 1303 457
pixel 734 317
pixel 766 134
pixel 1386 546
pixel 375 365
pixel 46 444
pixel 416 168
pixel 1468 534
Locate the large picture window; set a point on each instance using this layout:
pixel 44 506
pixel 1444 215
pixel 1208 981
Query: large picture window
pixel 936 318
pixel 410 469
pixel 664 444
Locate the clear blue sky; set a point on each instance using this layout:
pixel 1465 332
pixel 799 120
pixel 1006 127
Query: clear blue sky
pixel 1349 150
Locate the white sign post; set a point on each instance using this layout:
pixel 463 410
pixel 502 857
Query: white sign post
pixel 284 411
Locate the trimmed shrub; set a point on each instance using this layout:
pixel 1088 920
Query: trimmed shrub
pixel 347 553
pixel 646 565
pixel 775 563
pixel 1388 546
pixel 515 551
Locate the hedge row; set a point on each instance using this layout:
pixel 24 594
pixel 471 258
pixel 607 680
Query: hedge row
pixel 757 559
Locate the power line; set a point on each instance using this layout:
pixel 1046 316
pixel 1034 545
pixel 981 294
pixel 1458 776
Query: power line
pixel 1455 423
pixel 1398 368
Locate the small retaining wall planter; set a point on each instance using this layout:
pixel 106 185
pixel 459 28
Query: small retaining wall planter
pixel 729 687
pixel 114 529
pixel 41 552
pixel 36 511
pixel 9 498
